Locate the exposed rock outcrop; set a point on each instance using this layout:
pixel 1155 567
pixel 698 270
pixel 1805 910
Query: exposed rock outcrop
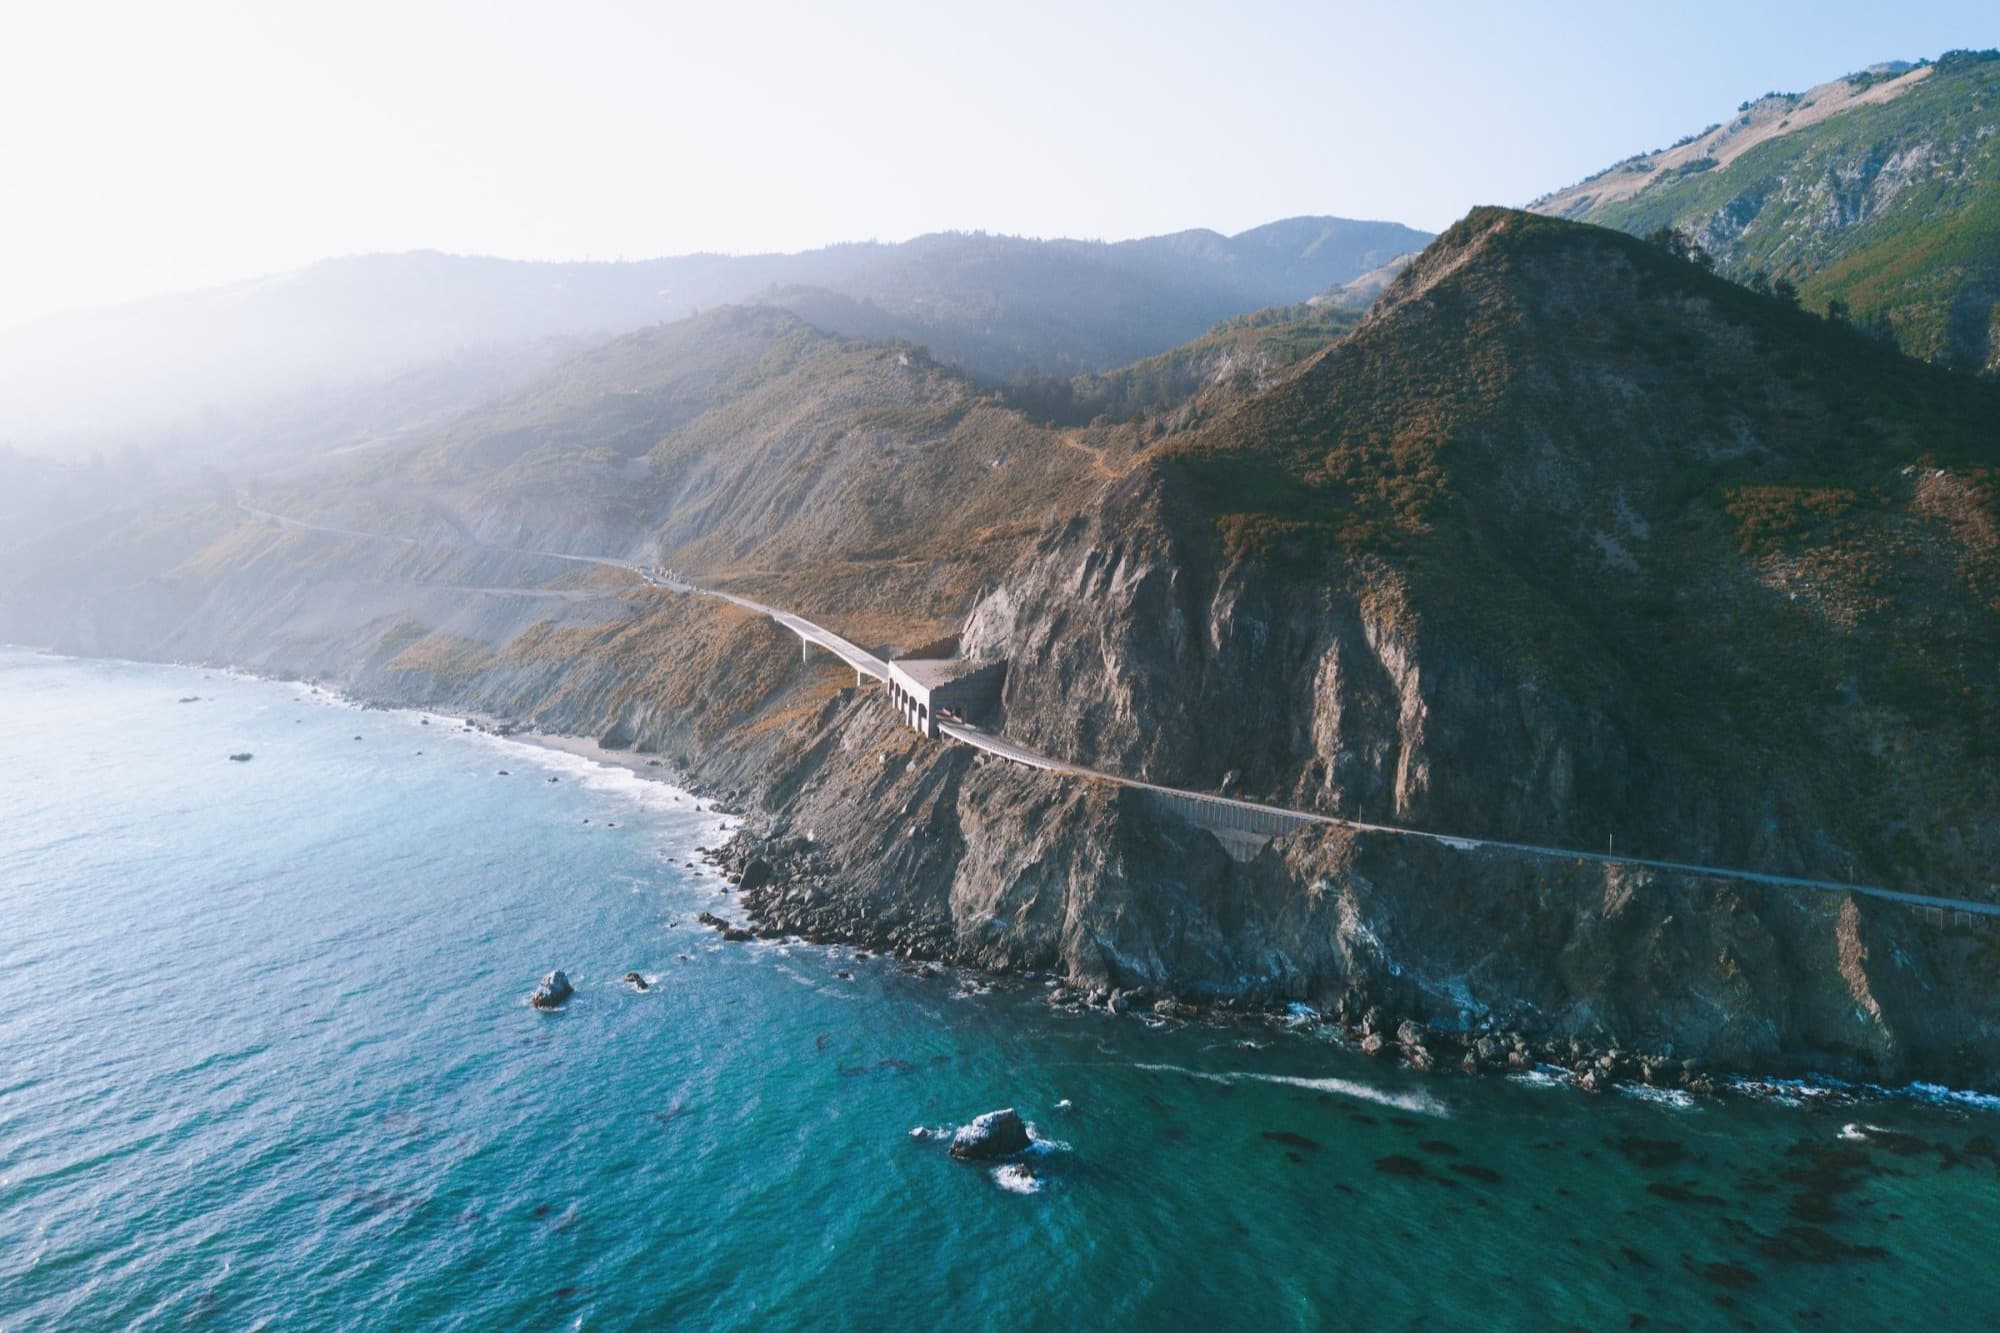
pixel 553 991
pixel 989 1136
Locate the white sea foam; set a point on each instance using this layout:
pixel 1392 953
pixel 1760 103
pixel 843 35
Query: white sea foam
pixel 1964 1098
pixel 653 794
pixel 1421 1103
pixel 1541 1076
pixel 1678 1098
pixel 609 779
pixel 1016 1179
pixel 1041 1147
pixel 1792 1092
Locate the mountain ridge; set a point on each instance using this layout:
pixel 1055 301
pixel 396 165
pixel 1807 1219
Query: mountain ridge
pixel 1882 213
pixel 1003 304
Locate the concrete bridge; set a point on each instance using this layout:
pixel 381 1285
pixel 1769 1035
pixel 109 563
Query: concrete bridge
pixel 1242 827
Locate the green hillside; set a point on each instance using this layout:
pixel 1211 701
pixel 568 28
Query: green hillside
pixel 1891 207
pixel 1742 538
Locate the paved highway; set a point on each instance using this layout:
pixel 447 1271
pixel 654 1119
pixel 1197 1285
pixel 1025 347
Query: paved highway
pixel 1206 808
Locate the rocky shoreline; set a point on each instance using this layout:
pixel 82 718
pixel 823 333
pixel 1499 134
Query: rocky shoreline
pixel 855 885
pixel 779 880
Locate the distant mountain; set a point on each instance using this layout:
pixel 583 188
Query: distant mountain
pixel 1357 294
pixel 1880 191
pixel 996 305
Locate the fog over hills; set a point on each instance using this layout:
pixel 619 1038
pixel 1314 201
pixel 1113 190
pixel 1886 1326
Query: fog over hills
pixel 203 363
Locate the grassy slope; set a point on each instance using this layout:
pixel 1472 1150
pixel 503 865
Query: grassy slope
pixel 1238 355
pixel 1893 209
pixel 859 479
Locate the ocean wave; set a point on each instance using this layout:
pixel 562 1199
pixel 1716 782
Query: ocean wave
pixel 1680 1099
pixel 1541 1076
pixel 1017 1179
pixel 653 794
pixel 1422 1103
pixel 1937 1094
pixel 1830 1091
pixel 1042 1147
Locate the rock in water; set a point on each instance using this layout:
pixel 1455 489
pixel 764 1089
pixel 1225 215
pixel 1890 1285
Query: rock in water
pixel 242 758
pixel 995 1134
pixel 1016 1177
pixel 632 979
pixel 555 988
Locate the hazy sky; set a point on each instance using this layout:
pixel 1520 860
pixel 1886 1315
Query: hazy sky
pixel 159 146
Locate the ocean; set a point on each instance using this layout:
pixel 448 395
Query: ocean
pixel 266 1061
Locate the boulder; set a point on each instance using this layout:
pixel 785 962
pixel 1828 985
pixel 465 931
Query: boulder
pixel 756 874
pixel 995 1134
pixel 734 934
pixel 635 981
pixel 1374 1044
pixel 1410 1032
pixel 553 990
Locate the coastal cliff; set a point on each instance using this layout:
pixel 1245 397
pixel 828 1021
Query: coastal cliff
pixel 1568 542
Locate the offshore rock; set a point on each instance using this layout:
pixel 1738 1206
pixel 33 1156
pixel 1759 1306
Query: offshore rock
pixel 995 1134
pixel 553 991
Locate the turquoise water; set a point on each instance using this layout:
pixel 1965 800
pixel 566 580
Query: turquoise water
pixel 265 1061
